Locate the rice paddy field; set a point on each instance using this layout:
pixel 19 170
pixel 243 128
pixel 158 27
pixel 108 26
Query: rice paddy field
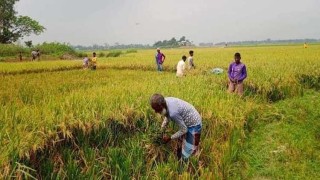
pixel 58 121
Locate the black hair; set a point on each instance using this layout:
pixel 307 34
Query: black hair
pixel 157 99
pixel 237 55
pixel 184 57
pixel 190 52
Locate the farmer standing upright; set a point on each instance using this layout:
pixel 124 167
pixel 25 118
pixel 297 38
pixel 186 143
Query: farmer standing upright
pixel 185 116
pixel 160 57
pixel 237 73
pixel 181 67
pixel 190 60
pixel 35 54
pixel 94 61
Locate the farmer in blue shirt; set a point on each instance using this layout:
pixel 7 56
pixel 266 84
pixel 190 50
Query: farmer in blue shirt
pixel 160 57
pixel 185 116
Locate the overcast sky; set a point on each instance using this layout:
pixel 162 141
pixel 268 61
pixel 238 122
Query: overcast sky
pixel 88 22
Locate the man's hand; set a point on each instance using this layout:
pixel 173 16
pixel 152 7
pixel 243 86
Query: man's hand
pixel 233 80
pixel 166 139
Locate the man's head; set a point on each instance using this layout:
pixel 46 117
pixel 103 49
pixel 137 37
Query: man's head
pixel 191 53
pixel 158 50
pixel 158 104
pixel 94 54
pixel 184 58
pixel 237 57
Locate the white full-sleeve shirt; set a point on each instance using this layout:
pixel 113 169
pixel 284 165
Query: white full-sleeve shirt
pixel 180 68
pixel 190 62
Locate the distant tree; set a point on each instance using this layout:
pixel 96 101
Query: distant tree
pixel 173 42
pixel 106 45
pixel 28 43
pixel 13 27
pixel 269 41
pixel 182 39
pixel 157 44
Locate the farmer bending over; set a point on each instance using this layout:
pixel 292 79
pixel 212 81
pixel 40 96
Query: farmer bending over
pixel 237 73
pixel 85 62
pixel 185 116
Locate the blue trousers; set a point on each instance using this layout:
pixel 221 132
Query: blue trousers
pixel 159 67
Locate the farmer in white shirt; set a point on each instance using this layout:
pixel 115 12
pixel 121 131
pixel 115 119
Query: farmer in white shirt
pixel 190 60
pixel 35 54
pixel 181 66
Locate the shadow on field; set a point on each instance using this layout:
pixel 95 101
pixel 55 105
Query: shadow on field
pixel 30 71
pixel 78 152
pixel 280 91
pixel 113 150
pixel 310 81
pixel 70 68
pixel 118 151
pixel 274 93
